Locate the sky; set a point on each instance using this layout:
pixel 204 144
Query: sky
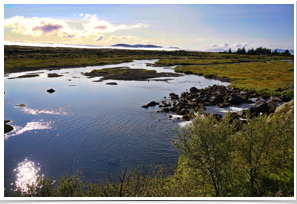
pixel 189 26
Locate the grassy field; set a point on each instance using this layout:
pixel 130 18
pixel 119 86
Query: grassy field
pixel 258 76
pixel 265 74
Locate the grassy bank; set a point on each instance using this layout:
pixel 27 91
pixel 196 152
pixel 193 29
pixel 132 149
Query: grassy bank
pixel 258 76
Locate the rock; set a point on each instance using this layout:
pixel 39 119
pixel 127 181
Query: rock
pixel 259 102
pixel 253 111
pixel 241 113
pixel 111 83
pixel 54 75
pixel 183 111
pixel 272 107
pixel 194 90
pixel 185 117
pixel 264 108
pixel 21 105
pixel 165 109
pixel 223 105
pixel 152 103
pixel 144 106
pixel 219 99
pixel 172 109
pixel 205 100
pixel 235 99
pixel 173 96
pixel 50 90
pixel 285 98
pixel 7 127
pixel 170 116
pixel 197 100
pixel 275 99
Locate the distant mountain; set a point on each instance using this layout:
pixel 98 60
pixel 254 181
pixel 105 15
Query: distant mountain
pixel 174 48
pixel 136 46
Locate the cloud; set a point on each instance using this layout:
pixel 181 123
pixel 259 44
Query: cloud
pixel 239 44
pixel 99 38
pixel 224 44
pixel 163 34
pixel 74 14
pixel 47 28
pixel 213 45
pixel 90 27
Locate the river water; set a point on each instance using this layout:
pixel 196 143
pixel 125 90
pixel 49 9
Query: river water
pixel 99 127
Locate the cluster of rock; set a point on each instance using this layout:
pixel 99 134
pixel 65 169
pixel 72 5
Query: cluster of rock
pixel 220 96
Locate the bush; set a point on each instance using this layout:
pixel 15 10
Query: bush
pixel 188 72
pixel 238 161
pixel 290 94
pixel 208 76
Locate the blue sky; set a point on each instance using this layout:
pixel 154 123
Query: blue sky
pixel 198 27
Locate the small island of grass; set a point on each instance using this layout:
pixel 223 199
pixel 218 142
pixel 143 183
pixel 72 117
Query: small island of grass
pixel 125 73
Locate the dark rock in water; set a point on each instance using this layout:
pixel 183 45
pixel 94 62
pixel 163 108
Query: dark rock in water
pixel 187 118
pixel 152 103
pixel 235 99
pixel 194 89
pixel 183 111
pixel 207 104
pixel 21 105
pixel 165 109
pixel 219 99
pixel 144 106
pixel 50 90
pixel 173 96
pixel 259 102
pixel 265 96
pixel 7 127
pixel 172 109
pixel 160 106
pixel 111 83
pixel 170 116
pixel 205 100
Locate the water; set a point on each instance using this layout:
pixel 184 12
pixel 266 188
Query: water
pixel 99 127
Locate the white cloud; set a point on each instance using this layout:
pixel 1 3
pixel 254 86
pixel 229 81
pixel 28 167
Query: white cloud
pixel 81 14
pixel 213 45
pixel 91 26
pixel 239 44
pixel 74 14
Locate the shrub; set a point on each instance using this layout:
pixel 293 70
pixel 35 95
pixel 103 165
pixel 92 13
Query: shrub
pixel 188 72
pixel 208 76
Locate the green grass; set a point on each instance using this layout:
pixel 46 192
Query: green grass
pixel 258 76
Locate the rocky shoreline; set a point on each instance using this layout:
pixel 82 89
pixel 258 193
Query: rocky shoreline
pixel 187 103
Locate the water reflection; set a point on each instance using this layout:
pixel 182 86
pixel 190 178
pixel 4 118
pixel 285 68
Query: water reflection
pixel 32 111
pixel 38 125
pixel 26 174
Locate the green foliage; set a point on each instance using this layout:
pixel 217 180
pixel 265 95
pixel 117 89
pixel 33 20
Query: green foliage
pixel 240 163
pixel 290 94
pixel 188 72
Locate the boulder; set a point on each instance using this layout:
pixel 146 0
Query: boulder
pixel 144 106
pixel 235 99
pixel 194 90
pixel 183 111
pixel 173 96
pixel 7 127
pixel 152 103
pixel 285 98
pixel 165 109
pixel 219 98
pixel 21 105
pixel 51 90
pixel 253 111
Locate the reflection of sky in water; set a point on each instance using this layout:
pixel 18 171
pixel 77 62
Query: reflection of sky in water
pixel 38 125
pixel 32 111
pixel 26 174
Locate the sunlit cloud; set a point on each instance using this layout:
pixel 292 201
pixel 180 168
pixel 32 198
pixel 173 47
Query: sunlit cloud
pixel 91 26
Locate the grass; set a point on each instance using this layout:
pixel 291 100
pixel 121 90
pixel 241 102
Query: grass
pixel 258 76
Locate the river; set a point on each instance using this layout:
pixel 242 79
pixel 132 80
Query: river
pixel 99 127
